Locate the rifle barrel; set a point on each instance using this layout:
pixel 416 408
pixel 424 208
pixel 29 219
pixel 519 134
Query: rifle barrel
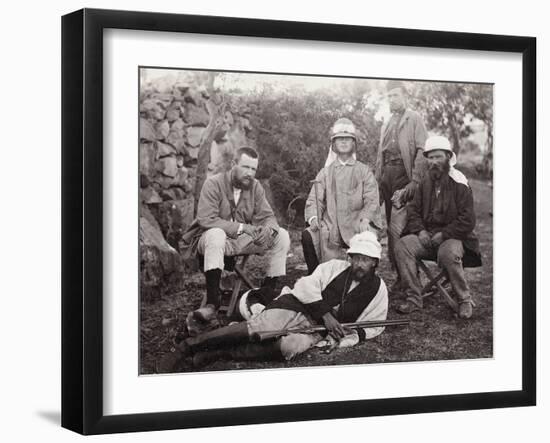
pixel 264 335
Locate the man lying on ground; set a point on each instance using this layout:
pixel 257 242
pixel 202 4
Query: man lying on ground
pixel 338 291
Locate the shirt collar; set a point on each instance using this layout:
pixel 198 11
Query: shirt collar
pixel 350 161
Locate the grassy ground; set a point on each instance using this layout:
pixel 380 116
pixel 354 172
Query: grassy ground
pixel 434 333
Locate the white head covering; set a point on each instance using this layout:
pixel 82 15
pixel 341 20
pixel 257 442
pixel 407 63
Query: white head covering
pixel 440 143
pixel 365 243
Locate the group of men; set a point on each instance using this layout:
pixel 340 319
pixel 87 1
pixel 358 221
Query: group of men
pixel 429 215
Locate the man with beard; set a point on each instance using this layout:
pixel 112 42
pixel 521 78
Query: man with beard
pixel 399 166
pixel 440 226
pixel 344 197
pixel 339 291
pixel 235 218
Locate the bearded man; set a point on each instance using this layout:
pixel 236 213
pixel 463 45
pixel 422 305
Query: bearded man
pixel 440 226
pixel 339 291
pixel 235 218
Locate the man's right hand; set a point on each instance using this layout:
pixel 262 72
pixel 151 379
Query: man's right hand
pixel 333 326
pixel 314 224
pixel 425 239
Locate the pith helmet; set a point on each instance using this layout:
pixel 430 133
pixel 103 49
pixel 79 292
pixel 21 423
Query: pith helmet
pixel 439 143
pixel 343 127
pixel 365 243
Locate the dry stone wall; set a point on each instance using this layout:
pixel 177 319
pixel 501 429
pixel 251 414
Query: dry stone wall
pixel 173 118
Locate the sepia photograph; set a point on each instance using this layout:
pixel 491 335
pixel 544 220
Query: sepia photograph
pixel 290 221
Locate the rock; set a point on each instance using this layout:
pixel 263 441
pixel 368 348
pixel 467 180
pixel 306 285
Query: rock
pixel 163 129
pixel 194 135
pixel 147 157
pixel 164 150
pixel 143 181
pixel 176 139
pixel 177 125
pixel 168 194
pixel 161 267
pixel 193 96
pixel 174 218
pixel 172 114
pixel 152 109
pixel 181 177
pixel 149 196
pixel 168 166
pixel 196 115
pixel 146 130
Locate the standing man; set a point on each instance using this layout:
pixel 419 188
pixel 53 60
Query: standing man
pixel 440 225
pixel 399 164
pixel 234 218
pixel 343 201
pixel 339 291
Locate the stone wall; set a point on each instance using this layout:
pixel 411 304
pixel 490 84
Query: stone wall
pixel 173 118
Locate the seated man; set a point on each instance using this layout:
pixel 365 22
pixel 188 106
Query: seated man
pixel 344 197
pixel 235 218
pixel 339 291
pixel 440 225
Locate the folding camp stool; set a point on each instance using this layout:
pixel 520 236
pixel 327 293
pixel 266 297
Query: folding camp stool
pixel 436 284
pixel 236 264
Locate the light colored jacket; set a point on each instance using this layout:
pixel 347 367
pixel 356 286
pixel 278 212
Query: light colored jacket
pixel 347 198
pixel 412 135
pixel 217 209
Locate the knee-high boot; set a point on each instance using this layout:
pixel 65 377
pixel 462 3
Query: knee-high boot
pixel 310 255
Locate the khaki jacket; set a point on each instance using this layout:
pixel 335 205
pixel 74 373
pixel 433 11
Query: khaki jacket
pixel 412 136
pixel 350 209
pixel 217 209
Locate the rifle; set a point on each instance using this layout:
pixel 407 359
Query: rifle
pixel 266 335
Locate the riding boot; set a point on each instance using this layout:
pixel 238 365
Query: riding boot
pixel 310 255
pixel 217 338
pixel 207 313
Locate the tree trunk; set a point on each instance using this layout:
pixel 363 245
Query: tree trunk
pixel 216 109
pixel 455 136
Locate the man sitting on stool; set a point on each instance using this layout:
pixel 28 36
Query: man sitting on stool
pixel 440 225
pixel 235 218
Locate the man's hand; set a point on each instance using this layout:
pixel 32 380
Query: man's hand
pixel 437 239
pixel 333 326
pixel 425 239
pixel 408 192
pixel 249 230
pixel 314 224
pixel 263 236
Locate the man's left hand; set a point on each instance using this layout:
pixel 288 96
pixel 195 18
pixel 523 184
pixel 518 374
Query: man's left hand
pixel 408 192
pixel 263 237
pixel 437 239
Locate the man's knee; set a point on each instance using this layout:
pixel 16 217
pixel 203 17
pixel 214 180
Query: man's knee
pixel 450 252
pixel 215 237
pixel 404 247
pixel 282 241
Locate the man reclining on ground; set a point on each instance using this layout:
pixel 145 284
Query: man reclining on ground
pixel 337 292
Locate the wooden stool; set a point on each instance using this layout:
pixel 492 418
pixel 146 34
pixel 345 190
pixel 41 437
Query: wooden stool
pixel 436 285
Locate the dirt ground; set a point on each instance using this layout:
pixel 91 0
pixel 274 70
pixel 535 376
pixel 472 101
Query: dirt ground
pixel 433 334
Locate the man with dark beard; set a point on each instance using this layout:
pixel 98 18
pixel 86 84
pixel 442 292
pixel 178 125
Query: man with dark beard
pixel 235 218
pixel 337 292
pixel 440 226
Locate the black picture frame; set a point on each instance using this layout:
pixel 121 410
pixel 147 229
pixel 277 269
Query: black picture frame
pixel 82 218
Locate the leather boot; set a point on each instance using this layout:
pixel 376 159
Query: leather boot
pixel 228 335
pixel 310 256
pixel 268 351
pixel 208 312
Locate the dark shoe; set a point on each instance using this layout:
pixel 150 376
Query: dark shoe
pixel 205 358
pixel 206 314
pixel 408 306
pixel 465 310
